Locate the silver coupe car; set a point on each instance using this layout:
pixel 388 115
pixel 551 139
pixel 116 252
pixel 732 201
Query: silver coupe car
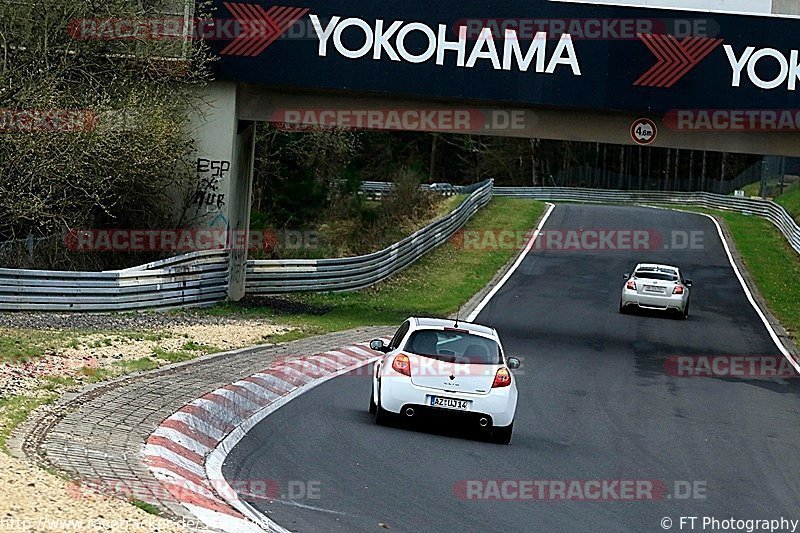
pixel 657 287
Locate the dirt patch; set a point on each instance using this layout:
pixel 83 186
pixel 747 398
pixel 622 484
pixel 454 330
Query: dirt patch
pixel 45 361
pixel 283 305
pixel 93 356
pixel 32 500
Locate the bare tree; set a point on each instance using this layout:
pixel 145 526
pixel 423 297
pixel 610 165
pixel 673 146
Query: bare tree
pixel 124 150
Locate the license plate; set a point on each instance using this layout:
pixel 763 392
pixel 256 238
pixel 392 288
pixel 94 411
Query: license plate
pixel 450 403
pixel 659 290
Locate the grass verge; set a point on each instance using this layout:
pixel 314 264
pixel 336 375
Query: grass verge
pixel 15 409
pixel 790 200
pixel 146 507
pixel 178 356
pixel 436 285
pixel 752 189
pixel 774 265
pixel 22 345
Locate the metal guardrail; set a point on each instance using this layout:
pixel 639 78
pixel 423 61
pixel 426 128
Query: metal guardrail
pixel 201 278
pixel 352 273
pixel 376 190
pixel 188 280
pixel 763 208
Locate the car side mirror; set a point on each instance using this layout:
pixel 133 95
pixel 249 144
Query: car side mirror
pixel 626 276
pixel 688 283
pixel 378 346
pixel 513 363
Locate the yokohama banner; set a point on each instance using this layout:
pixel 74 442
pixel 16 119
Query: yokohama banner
pixel 537 52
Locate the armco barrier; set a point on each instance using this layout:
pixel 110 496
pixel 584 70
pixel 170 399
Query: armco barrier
pixel 376 190
pixel 188 280
pixel 201 278
pixel 763 208
pixel 351 273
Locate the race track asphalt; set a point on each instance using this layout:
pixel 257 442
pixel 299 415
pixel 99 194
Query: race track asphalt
pixel 595 404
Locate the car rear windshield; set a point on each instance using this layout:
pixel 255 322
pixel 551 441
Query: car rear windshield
pixel 663 276
pixel 454 347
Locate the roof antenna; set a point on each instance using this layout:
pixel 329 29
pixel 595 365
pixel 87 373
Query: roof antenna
pixel 457 315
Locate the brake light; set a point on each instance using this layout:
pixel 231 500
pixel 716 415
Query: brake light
pixel 678 289
pixel 402 365
pixel 502 378
pixel 631 285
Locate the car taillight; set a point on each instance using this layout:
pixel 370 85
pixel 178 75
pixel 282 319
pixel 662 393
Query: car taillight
pixel 402 365
pixel 631 285
pixel 502 378
pixel 678 289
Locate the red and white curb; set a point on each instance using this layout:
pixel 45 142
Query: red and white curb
pixel 186 452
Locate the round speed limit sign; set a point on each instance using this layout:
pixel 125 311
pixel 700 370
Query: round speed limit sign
pixel 644 131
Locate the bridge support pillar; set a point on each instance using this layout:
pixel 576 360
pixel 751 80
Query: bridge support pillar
pixel 239 210
pixel 225 150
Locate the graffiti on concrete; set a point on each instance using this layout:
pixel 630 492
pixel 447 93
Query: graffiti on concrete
pixel 209 175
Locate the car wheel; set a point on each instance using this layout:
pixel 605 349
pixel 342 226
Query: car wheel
pixel 502 435
pixel 380 415
pixel 622 308
pixel 372 407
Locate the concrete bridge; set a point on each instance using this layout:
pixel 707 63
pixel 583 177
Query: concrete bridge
pixel 700 80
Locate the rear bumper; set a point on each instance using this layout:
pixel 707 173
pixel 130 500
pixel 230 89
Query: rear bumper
pixel 499 406
pixel 676 302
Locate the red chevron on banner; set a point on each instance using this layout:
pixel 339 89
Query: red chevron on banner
pixel 675 58
pixel 260 28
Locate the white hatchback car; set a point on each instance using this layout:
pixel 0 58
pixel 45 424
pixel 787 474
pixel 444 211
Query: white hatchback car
pixel 444 367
